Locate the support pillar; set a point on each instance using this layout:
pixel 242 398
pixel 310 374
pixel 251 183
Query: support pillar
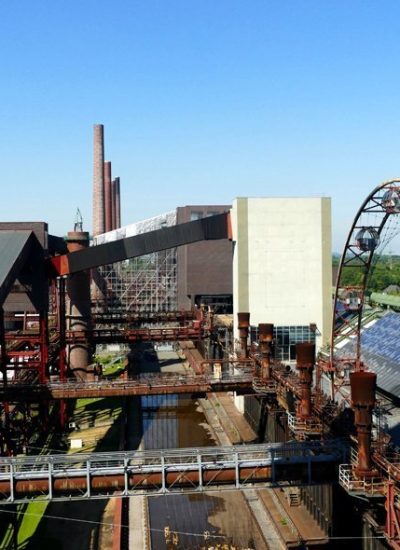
pixel 243 325
pixel 79 313
pixel 61 328
pixel 62 413
pixel 265 338
pixel 305 357
pixel 363 389
pixel 44 346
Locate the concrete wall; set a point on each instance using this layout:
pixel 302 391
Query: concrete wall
pixel 282 266
pixel 203 268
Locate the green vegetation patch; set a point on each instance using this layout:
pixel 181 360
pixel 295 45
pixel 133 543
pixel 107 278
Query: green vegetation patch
pixel 30 521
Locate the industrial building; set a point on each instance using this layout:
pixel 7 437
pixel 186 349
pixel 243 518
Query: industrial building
pixel 174 279
pixel 319 445
pixel 282 267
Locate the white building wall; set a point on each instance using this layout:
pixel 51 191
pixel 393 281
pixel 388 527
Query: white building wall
pixel 282 262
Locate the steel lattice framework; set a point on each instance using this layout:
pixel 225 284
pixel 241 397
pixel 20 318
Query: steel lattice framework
pixel 155 472
pixel 373 227
pixel 147 283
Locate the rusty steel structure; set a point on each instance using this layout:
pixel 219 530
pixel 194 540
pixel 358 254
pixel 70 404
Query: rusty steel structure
pixel 374 468
pixel 65 339
pixel 136 385
pixel 370 232
pixel 155 472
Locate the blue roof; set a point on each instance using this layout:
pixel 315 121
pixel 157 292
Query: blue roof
pixel 380 351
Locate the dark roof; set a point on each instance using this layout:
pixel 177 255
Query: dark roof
pixel 15 248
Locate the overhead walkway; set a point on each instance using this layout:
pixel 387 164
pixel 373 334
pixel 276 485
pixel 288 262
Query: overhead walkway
pixel 144 384
pixel 103 475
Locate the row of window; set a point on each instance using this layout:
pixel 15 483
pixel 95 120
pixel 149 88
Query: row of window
pixel 286 338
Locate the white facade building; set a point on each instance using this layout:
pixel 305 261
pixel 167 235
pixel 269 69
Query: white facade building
pixel 282 266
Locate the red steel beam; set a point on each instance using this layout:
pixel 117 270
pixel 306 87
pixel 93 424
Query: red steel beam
pixel 151 481
pixel 16 392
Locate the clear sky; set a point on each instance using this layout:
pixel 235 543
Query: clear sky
pixel 202 101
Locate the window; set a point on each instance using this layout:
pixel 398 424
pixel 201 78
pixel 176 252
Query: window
pixel 286 338
pixel 196 215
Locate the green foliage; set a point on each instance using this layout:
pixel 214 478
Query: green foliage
pixel 385 272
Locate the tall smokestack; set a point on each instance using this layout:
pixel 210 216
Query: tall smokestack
pixel 98 179
pixel 113 203
pixel 107 196
pixel 117 204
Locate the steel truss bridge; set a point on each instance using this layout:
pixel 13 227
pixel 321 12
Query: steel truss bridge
pixel 155 472
pixel 144 384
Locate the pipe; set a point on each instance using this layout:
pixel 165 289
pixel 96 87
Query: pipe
pixel 243 325
pixel 78 307
pixel 305 359
pixel 107 196
pixel 139 481
pixel 363 390
pixel 265 338
pixel 98 179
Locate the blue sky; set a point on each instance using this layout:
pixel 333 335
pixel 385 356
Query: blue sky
pixel 202 101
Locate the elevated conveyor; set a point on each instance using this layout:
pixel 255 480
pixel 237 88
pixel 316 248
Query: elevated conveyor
pixel 103 475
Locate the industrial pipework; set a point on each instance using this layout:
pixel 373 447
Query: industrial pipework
pixel 243 325
pixel 265 338
pixel 78 310
pixel 363 390
pixel 305 353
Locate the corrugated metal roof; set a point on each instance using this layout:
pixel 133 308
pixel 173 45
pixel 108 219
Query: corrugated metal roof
pixel 380 351
pixel 13 248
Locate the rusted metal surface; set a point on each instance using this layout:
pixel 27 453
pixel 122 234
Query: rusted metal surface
pixel 102 336
pixel 163 471
pixel 78 313
pixel 150 481
pixel 150 384
pixel 243 325
pixel 243 319
pixel 142 317
pixel 265 332
pixel 265 337
pixel 363 387
pixel 305 357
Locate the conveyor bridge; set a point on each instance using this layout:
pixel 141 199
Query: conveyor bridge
pixel 155 472
pixel 144 384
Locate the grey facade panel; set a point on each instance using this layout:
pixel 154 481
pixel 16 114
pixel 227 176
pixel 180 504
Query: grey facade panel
pixel 203 268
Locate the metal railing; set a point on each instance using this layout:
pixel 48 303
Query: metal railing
pixel 100 475
pixel 144 384
pixel 307 426
pixel 374 486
